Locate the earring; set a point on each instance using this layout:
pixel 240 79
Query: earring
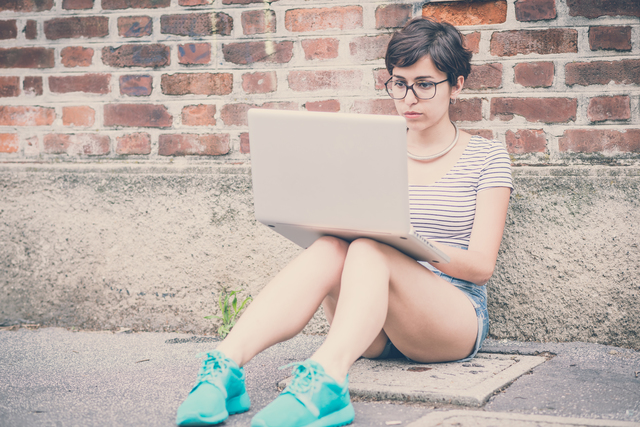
pixel 453 101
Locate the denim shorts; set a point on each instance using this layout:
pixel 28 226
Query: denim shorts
pixel 478 297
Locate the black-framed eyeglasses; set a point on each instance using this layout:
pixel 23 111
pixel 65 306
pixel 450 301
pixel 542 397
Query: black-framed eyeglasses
pixel 398 89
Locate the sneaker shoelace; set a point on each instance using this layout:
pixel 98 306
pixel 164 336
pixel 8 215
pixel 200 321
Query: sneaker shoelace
pixel 302 385
pixel 212 367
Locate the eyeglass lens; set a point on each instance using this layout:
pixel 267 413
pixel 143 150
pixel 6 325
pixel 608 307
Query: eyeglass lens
pixel 398 89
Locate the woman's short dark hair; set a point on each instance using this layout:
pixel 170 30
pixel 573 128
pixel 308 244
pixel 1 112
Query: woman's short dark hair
pixel 440 40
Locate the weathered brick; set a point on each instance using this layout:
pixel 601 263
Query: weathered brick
pixel 623 72
pixel 32 85
pixel 136 85
pixel 380 77
pixel 78 116
pixel 88 83
pixel 197 84
pixel 134 143
pixel 258 22
pixel 32 146
pixel 27 57
pixel 526 141
pixel 31 29
pixel 260 82
pixel 246 1
pixel 9 86
pixel 609 108
pixel 330 106
pixel 136 55
pixel 466 110
pixel 263 51
pixel 236 114
pixel 26 116
pixel 543 110
pixel 76 56
pixel 325 48
pixel 369 48
pixel 471 41
pixel 596 8
pixel 26 5
pixel 308 81
pixel 76 27
pixel 196 24
pixel 77 4
pixel 338 18
pixel 8 29
pixel 9 143
pixel 534 74
pixel 199 115
pixel 535 10
pixel 542 42
pixel 194 53
pixel 393 15
pixel 194 2
pixel 191 144
pixel 485 76
pixel 600 140
pixel 245 148
pixel 89 144
pixel 135 4
pixel 485 133
pixel 610 38
pixel 467 13
pixel 135 26
pixel 137 115
pixel 374 106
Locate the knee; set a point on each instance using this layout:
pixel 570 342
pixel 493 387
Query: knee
pixel 331 246
pixel 366 247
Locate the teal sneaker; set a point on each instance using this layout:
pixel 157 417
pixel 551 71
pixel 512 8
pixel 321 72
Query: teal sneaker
pixel 313 399
pixel 219 391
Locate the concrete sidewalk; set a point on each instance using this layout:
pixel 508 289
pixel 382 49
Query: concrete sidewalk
pixel 53 376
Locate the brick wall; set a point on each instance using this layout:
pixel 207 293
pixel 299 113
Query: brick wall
pixel 93 80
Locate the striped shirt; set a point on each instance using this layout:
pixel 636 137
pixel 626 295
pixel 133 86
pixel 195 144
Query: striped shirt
pixel 444 211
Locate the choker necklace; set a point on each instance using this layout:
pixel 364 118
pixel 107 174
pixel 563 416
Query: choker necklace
pixel 440 154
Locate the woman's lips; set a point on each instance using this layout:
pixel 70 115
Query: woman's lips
pixel 412 114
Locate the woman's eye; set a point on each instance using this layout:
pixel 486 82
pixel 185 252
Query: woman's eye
pixel 424 85
pixel 398 84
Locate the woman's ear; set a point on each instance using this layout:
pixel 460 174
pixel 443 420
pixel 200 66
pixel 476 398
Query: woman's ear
pixel 455 90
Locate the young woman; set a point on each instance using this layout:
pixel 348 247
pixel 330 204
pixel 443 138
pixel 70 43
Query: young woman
pixel 379 301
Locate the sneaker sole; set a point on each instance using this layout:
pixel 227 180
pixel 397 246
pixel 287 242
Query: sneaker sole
pixel 235 405
pixel 238 404
pixel 336 419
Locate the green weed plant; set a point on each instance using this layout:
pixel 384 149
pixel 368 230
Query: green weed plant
pixel 229 310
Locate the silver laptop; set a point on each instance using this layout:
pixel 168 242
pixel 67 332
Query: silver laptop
pixel 334 174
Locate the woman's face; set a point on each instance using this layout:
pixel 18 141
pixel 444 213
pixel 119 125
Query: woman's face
pixel 422 114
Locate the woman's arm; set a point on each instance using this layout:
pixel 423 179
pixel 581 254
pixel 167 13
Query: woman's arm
pixel 476 264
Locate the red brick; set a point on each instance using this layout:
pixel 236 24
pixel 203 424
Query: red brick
pixel 263 51
pixel 32 85
pixel 484 76
pixel 338 18
pixel 78 116
pixel 534 74
pixel 283 105
pixel 308 81
pixel 326 48
pixel 26 5
pixel 330 106
pixel 9 86
pixel 8 29
pixel 134 143
pixel 31 29
pixel 194 2
pixel 466 110
pixel 535 10
pixel 137 115
pixel 88 83
pixel 191 144
pixel 136 55
pixel 600 140
pixel 194 53
pixel 526 141
pixel 393 15
pixel 77 4
pixel 380 77
pixel 471 41
pixel 610 38
pixel 467 13
pixel 76 56
pixel 9 143
pixel 76 27
pixel 89 144
pixel 246 1
pixel 596 8
pixel 260 82
pixel 375 106
pixel 623 72
pixel 236 114
pixel 369 48
pixel 135 26
pixel 197 84
pixel 543 110
pixel 196 24
pixel 485 133
pixel 244 143
pixel 26 116
pixel 136 85
pixel 258 22
pixel 199 115
pixel 27 57
pixel 609 108
pixel 542 42
pixel 135 4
